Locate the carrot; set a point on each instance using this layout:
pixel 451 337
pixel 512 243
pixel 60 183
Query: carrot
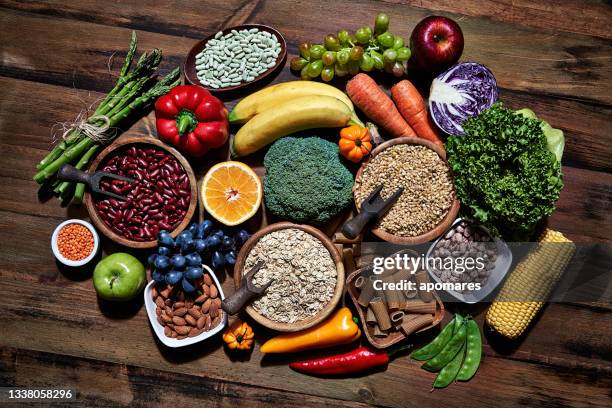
pixel 412 107
pixel 366 94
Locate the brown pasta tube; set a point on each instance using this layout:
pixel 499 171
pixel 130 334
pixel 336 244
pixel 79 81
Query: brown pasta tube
pixel 370 318
pixel 421 278
pixel 412 325
pixel 349 261
pixel 409 294
pixel 367 292
pixel 393 299
pixel 418 306
pixel 396 317
pixel 402 274
pixel 378 332
pixel 380 312
pixel 359 282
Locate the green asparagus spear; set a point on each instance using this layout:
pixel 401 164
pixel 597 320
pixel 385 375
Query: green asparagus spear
pixel 79 190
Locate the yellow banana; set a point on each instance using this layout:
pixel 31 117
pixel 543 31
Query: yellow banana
pixel 271 96
pixel 293 115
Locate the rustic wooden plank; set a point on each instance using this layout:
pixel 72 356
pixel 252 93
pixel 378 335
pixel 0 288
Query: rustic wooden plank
pixel 568 66
pixel 100 383
pixel 180 18
pixel 575 16
pixel 185 18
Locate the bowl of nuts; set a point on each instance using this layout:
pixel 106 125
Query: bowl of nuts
pixel 428 204
pixel 161 196
pixel 306 274
pixel 179 319
pixel 484 261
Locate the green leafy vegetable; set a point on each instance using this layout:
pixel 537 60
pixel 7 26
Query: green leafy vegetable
pixel 505 176
pixel 554 137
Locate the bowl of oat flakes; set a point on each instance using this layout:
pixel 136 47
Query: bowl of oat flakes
pixel 307 273
pixel 427 206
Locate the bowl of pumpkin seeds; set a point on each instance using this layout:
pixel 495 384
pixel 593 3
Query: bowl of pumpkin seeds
pixel 235 58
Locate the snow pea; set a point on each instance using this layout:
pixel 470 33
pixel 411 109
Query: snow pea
pixel 430 350
pixel 449 372
pixel 448 352
pixel 473 352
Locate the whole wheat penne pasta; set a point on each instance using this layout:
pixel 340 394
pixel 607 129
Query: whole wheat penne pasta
pixel 370 318
pixel 367 292
pixel 359 282
pixel 418 306
pixel 380 312
pixel 378 332
pixel 396 317
pixel 412 325
pixel 409 294
pixel 402 274
pixel 421 278
pixel 392 297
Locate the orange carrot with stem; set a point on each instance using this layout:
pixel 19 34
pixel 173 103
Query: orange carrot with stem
pixel 412 107
pixel 366 94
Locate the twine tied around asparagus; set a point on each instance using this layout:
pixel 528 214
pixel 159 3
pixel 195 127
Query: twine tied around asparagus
pixel 95 127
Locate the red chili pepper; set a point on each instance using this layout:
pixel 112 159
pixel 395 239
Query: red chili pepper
pixel 356 361
pixel 191 119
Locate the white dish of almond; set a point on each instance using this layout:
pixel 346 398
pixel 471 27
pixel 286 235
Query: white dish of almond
pixel 180 320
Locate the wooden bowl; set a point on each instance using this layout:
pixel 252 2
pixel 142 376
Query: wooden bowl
pixel 189 67
pixel 394 336
pixel 312 320
pixel 138 140
pixel 451 215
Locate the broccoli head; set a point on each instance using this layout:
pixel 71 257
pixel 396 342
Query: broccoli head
pixel 306 181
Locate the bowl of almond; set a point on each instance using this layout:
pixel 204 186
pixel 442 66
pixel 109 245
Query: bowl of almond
pixel 180 319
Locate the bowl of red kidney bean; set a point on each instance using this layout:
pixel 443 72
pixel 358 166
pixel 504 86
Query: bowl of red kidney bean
pixel 163 195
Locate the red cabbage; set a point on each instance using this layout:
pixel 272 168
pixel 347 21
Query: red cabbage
pixel 461 92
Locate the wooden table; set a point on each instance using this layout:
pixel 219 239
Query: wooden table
pixel 552 56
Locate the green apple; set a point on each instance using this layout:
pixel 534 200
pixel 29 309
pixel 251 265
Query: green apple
pixel 119 276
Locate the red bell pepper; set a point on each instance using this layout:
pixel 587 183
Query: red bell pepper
pixel 191 119
pixel 356 361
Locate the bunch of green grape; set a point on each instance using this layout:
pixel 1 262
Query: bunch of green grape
pixel 343 54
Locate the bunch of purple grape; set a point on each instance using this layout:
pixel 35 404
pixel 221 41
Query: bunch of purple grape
pixel 180 260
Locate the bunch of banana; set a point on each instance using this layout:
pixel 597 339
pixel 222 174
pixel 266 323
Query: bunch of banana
pixel 286 108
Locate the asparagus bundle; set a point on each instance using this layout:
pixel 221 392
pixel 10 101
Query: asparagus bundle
pixel 134 90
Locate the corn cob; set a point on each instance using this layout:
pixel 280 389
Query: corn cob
pixel 533 278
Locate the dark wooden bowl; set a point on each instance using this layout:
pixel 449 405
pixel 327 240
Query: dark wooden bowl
pixel 189 67
pixel 118 144
pixel 446 221
pixel 395 336
pixel 312 320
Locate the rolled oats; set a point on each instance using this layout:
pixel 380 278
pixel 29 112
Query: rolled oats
pixel 304 275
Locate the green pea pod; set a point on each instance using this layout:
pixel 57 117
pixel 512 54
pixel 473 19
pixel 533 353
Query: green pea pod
pixel 449 372
pixel 435 346
pixel 448 352
pixel 473 353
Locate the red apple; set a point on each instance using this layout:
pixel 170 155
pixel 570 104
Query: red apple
pixel 436 44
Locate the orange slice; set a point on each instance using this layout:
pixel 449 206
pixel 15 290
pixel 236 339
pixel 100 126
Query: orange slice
pixel 231 192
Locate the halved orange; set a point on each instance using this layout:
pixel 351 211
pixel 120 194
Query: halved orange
pixel 231 192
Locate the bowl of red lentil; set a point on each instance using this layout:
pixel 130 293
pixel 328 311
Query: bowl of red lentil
pixel 75 242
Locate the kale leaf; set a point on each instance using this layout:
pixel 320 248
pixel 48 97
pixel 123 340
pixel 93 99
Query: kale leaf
pixel 505 176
